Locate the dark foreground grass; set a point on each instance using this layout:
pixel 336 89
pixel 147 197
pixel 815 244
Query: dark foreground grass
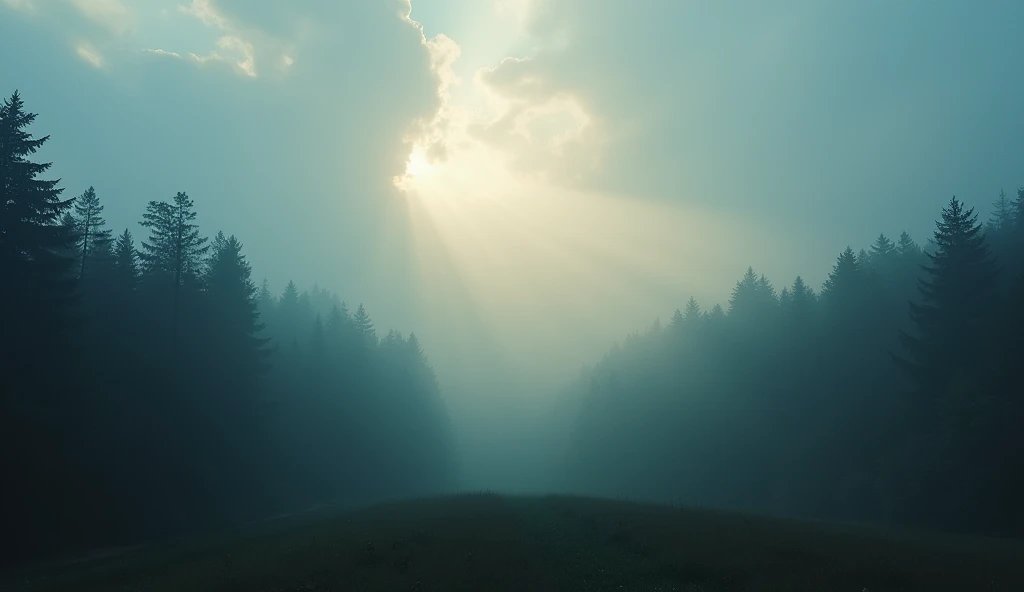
pixel 490 542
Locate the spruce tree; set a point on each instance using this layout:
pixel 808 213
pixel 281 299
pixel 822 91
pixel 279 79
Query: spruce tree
pixel 175 249
pixel 364 326
pixel 676 323
pixel 717 313
pixel 883 254
pixel 691 313
pixel 801 300
pixel 956 294
pixel 35 273
pixel 337 321
pixel 844 288
pixel 752 297
pixel 907 249
pixel 290 296
pixel 1002 213
pixel 232 292
pixel 265 297
pixel 90 226
pixel 126 262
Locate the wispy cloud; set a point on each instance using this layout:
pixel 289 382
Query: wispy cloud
pixel 205 11
pixel 89 54
pixel 161 52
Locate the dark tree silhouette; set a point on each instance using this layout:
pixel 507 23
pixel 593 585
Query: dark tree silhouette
pixel 957 293
pixel 38 290
pixel 126 262
pixel 92 236
pixel 175 249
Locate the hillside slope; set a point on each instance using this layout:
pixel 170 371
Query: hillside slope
pixel 491 542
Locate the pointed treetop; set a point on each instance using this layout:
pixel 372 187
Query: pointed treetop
pixel 907 248
pixel 691 313
pixel 290 296
pixel 1002 213
pixel 677 320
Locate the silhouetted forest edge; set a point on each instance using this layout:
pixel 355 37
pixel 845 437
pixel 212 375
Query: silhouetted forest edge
pixel 491 542
pixel 151 388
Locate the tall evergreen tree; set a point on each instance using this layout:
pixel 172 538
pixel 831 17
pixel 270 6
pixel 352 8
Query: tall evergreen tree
pixel 232 294
pixel 752 298
pixel 907 248
pixel 959 290
pixel 175 249
pixel 37 290
pixel 844 287
pixel 1002 213
pixel 801 299
pixel 90 226
pixel 883 254
pixel 676 323
pixel 337 322
pixel 126 261
pixel 691 313
pixel 364 326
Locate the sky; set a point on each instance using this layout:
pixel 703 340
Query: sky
pixel 523 182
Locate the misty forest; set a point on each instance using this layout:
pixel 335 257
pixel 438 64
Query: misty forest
pixel 511 296
pixel 153 386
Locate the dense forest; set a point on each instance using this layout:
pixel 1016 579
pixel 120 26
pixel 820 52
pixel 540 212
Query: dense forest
pixel 150 387
pixel 894 394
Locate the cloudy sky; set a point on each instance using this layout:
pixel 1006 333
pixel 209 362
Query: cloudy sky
pixel 524 181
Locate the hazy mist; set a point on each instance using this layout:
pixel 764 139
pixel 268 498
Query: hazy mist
pixel 526 183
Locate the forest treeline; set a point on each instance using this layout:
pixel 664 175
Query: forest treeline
pixel 894 394
pixel 148 386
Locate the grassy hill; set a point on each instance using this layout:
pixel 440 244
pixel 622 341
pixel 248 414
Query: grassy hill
pixel 491 542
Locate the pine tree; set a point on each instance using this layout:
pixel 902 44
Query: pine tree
pixel 753 297
pixel 864 260
pixel 364 326
pixel 90 226
pixel 235 316
pixel 290 296
pixel 36 290
pixel 717 313
pixel 883 254
pixel 175 249
pixel 907 249
pixel 691 313
pixel 126 258
pixel 958 292
pixel 265 297
pixel 883 248
pixel 785 298
pixel 676 324
pixel 1002 213
pixel 802 298
pixel 844 287
pixel 337 322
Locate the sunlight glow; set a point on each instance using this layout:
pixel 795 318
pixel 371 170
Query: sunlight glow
pixel 517 253
pixel 418 164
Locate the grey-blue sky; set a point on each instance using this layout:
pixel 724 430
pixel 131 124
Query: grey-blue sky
pixel 798 127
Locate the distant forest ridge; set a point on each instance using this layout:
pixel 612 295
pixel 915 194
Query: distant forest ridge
pixel 894 394
pixel 149 386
